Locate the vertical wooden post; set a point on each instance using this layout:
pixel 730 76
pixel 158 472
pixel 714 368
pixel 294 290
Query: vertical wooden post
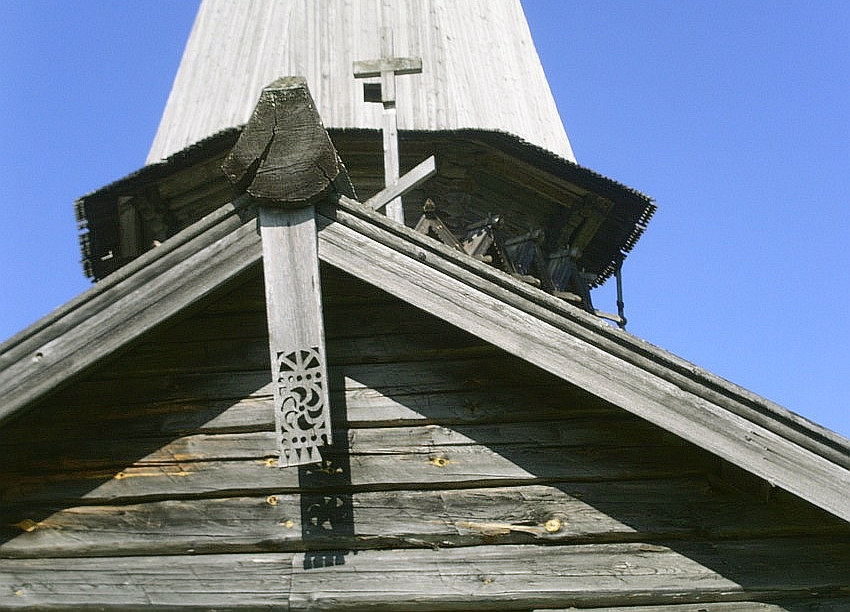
pixel 285 160
pixel 296 333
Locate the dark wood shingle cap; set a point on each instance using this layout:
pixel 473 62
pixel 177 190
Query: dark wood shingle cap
pixel 284 155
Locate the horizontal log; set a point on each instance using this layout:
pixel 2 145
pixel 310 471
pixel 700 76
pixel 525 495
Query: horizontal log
pixel 226 582
pixel 442 466
pixel 569 512
pixel 341 321
pixel 484 577
pixel 239 354
pixel 572 436
pixel 393 379
pixel 804 603
pixel 360 408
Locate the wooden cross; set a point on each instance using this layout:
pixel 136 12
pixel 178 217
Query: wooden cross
pixel 387 67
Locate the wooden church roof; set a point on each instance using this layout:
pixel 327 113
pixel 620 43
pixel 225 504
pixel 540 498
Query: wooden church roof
pixel 718 416
pixel 173 239
pixel 199 516
pixel 98 217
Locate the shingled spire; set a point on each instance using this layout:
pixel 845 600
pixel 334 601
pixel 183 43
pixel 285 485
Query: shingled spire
pixel 480 67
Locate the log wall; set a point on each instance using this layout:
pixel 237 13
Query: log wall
pixel 460 478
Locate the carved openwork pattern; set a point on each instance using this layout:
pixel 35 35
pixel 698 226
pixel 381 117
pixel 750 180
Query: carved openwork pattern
pixel 303 423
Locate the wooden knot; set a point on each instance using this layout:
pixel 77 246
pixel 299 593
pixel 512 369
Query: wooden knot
pixel 439 461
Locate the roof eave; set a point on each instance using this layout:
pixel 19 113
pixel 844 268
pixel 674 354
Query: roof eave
pixel 713 414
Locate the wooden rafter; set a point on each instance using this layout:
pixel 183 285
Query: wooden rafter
pixel 729 421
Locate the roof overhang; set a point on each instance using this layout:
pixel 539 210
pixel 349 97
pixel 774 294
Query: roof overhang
pixel 710 412
pixel 556 180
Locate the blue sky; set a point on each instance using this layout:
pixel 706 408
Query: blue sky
pixel 734 116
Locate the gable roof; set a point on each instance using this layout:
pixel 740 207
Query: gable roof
pixel 741 427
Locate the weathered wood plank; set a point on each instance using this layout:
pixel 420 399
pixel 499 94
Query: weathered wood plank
pixel 364 408
pixel 805 604
pixel 483 577
pixel 569 436
pixel 123 314
pixel 446 466
pixel 228 582
pixel 397 379
pixel 684 508
pixel 235 354
pixel 246 320
pixel 297 352
pixel 403 266
pixel 410 180
pixel 525 576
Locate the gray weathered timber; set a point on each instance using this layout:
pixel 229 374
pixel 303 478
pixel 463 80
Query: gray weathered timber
pixel 217 355
pixel 564 512
pixel 481 577
pixel 284 155
pixel 442 466
pixel 299 367
pixel 431 277
pixel 403 378
pixel 321 40
pixel 716 415
pixel 410 180
pixel 204 582
pixel 190 407
pixel 466 476
pixel 559 436
pixel 199 260
pixel 803 603
pixel 364 408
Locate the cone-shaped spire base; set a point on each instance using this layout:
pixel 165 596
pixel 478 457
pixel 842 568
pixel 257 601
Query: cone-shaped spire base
pixel 480 69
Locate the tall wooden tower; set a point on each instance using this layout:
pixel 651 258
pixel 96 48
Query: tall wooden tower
pixel 480 68
pixel 341 354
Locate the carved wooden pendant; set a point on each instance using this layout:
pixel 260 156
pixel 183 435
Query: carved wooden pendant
pixel 285 160
pixel 296 334
pixel 301 410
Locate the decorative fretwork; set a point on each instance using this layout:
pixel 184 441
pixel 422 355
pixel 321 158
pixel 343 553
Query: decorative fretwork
pixel 551 265
pixel 301 416
pixel 584 222
pixel 480 238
